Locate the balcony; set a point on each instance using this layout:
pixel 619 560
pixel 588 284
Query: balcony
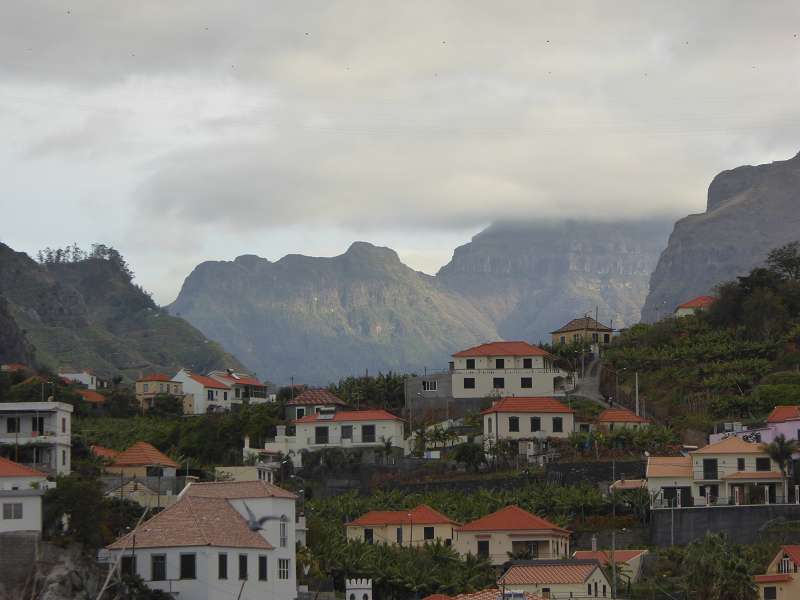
pixel 511 371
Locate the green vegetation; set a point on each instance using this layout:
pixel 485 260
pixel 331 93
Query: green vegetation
pixel 386 390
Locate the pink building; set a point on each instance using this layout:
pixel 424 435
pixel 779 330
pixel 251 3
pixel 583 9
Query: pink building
pixel 782 420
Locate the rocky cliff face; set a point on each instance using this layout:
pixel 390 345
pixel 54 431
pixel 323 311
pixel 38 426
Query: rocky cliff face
pixel 750 211
pixel 88 314
pixel 532 278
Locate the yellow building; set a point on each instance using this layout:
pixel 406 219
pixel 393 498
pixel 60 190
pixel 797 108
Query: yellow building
pixel 150 386
pixel 781 581
pixel 142 460
pixel 412 527
pixel 571 578
pixel 612 419
pixel 584 330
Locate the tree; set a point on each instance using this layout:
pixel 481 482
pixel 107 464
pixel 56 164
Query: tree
pixel 715 569
pixel 471 455
pixel 786 260
pixel 780 450
pixel 80 499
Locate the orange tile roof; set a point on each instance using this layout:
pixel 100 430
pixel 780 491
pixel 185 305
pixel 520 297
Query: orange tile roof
pixel 669 466
pixel 620 415
pixel 92 396
pixel 142 454
pixel 582 324
pixel 754 475
pixel 780 414
pixel 793 551
pixel 731 445
pixel 503 349
pixel 603 556
pixel 552 572
pixel 351 415
pixel 241 379
pixel 629 484
pixel 528 404
pixel 208 382
pixel 9 468
pixel 511 518
pixel 317 396
pixel 699 302
pixel 103 452
pixel 490 594
pixel 154 377
pixel 237 490
pixel 772 578
pixel 195 522
pixel 421 515
pixel 15 367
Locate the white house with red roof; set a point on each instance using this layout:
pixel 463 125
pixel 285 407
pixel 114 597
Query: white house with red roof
pixel 616 418
pixel 629 561
pixel 329 429
pixel 526 418
pixel 247 389
pixel 412 527
pixel 689 307
pixel 85 377
pixel 781 581
pixel 203 548
pixel 203 394
pixel 512 531
pixel 21 491
pixel 313 401
pixel 37 434
pixel 557 579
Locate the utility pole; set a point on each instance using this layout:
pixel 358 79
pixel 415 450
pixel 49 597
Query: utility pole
pixel 636 374
pixel 613 530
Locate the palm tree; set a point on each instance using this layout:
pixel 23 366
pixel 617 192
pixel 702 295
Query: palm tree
pixel 780 450
pixel 386 448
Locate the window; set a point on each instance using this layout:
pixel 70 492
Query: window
pixel 154 471
pixel 785 566
pixel 222 566
pixel 347 432
pixel 740 464
pixel 606 338
pixel 300 412
pixel 558 424
pixel 158 567
pixel 564 341
pixel 513 424
pixel 368 434
pixel 498 383
pixel 763 464
pixel 210 394
pixel 242 567
pixel 37 425
pixel 12 425
pixel 320 435
pixel 770 593
pixel 238 392
pixel 710 468
pixel 536 424
pixel 368 537
pixel 526 382
pixel 527 363
pixel 604 590
pixel 470 363
pixel 127 566
pixel 489 424
pixel 400 535
pixel 146 387
pixel 283 568
pixel 262 568
pixel 595 339
pixel 499 363
pixel 427 533
pixel 284 535
pixel 430 386
pixel 188 566
pixel 469 383
pixel 63 458
pixel 483 548
pixel 63 425
pixel 175 388
pixel 588 589
pixel 161 387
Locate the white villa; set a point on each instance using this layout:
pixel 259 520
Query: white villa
pixel 38 435
pixel 21 491
pixel 86 378
pixel 526 418
pixel 203 394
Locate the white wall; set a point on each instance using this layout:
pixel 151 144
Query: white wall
pixel 496 426
pixel 31 512
pixel 57 437
pixel 541 373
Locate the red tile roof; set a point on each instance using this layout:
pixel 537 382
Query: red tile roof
pixel 620 415
pixel 511 518
pixel 142 454
pixel 317 396
pixel 103 452
pixel 195 522
pixel 793 551
pixel 772 578
pixel 669 466
pixel 92 396
pixel 503 349
pixel 237 490
pixel 780 414
pixel 754 475
pixel 208 382
pixel 490 594
pixel 15 367
pixel 528 404
pixel 154 377
pixel 421 515
pixel 582 324
pixel 603 556
pixel 699 302
pixel 555 572
pixel 351 415
pixel 241 379
pixel 8 468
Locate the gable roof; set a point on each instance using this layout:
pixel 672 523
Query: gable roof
pixel 731 445
pixel 316 396
pixel 780 414
pixel 351 415
pixel 528 404
pixel 142 454
pixel 669 466
pixel 237 490
pixel 550 571
pixel 154 377
pixel 420 515
pixel 604 556
pixel 582 324
pixel 511 518
pixel 195 522
pixel 502 349
pixel 208 382
pixel 793 551
pixel 9 468
pixel 620 415
pixel 92 396
pixel 103 452
pixel 699 302
pixel 236 378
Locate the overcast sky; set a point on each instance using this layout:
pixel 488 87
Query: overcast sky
pixel 186 131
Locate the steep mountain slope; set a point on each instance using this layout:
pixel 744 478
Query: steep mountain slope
pixel 14 345
pixel 318 319
pixel 750 211
pixel 532 278
pixel 87 314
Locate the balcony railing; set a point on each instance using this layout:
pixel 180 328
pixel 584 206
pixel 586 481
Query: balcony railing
pixel 514 370
pixel 700 501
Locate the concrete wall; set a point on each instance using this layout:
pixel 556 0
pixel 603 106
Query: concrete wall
pixel 17 557
pixel 31 506
pixel 496 426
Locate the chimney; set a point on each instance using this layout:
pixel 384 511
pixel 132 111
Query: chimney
pixel 247 442
pixel 594 543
